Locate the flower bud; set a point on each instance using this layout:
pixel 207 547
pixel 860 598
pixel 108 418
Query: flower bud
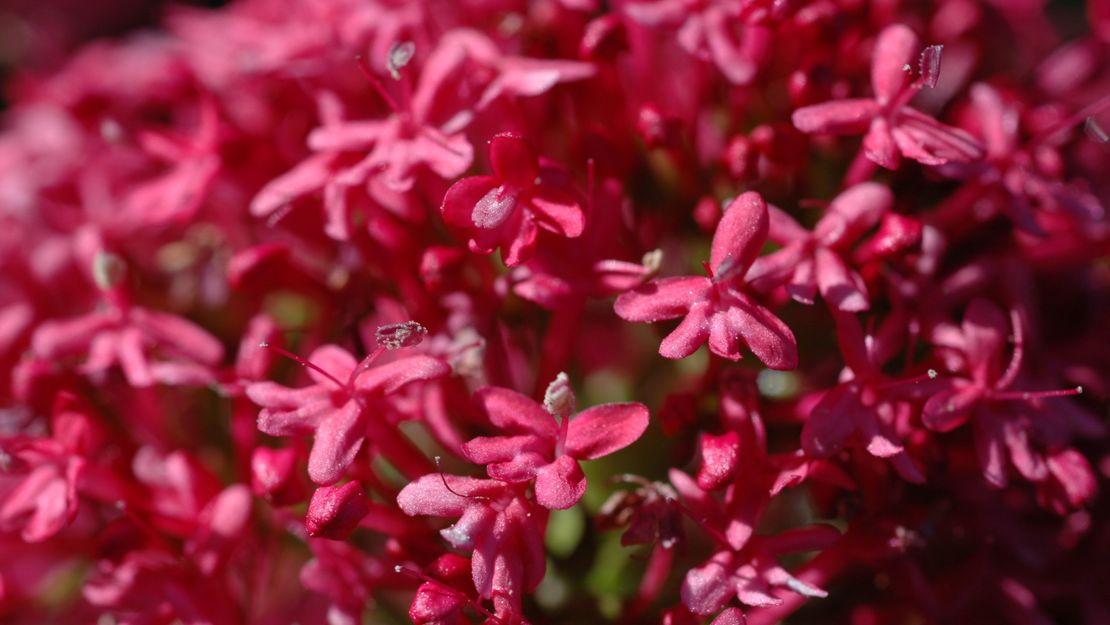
pixel 334 511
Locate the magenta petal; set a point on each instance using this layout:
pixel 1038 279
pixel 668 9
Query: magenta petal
pixel 307 177
pixel 661 299
pixel 560 484
pixel 487 449
pixel 985 330
pixel 1074 474
pixel 740 235
pixel 706 589
pixel 765 335
pixel 520 468
pixel 513 160
pixel 730 616
pixel 516 413
pixel 896 48
pixel 852 213
pixel 689 335
pixel 879 144
pixel 181 335
pixel 831 422
pixel 517 247
pixel 723 340
pixel 771 271
pixel 443 495
pixel 338 439
pixel 997 122
pixel 557 211
pixel 391 376
pixel 720 456
pixel 460 200
pixel 604 429
pixel 59 338
pixel 838 117
pixel 842 288
pixel 949 409
pixel 335 360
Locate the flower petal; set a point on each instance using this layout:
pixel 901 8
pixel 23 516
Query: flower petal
pixel 841 287
pixel 838 117
pixel 391 376
pixel 852 213
pixel 689 335
pixel 740 235
pixel 557 211
pixel 338 439
pixel 460 200
pixel 441 495
pixel 765 334
pixel 513 160
pixel 831 422
pixel 516 413
pixel 896 48
pixel 604 429
pixel 661 299
pixel 560 484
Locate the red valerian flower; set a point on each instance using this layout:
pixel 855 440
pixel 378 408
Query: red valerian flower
pixel 337 407
pixel 546 442
pixel 866 403
pixel 717 308
pixel 149 346
pixel 810 261
pixel 504 530
pixel 504 210
pixel 1033 437
pixel 746 569
pixel 892 128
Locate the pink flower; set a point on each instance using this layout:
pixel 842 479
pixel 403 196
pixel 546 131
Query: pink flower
pixel 717 308
pixel 814 260
pixel 503 530
pixel 149 346
pixel 866 406
pixel 338 407
pixel 893 130
pixel 545 443
pixel 506 209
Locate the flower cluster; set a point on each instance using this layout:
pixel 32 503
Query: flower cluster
pixel 544 311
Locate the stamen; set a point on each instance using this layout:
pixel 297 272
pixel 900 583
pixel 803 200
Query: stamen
pixel 1029 395
pixel 443 477
pixel 931 374
pixel 1012 368
pixel 374 82
pixel 398 335
pixel 304 363
pixel 708 269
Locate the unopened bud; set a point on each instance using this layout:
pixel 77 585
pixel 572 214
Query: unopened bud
pixel 335 511
pixel 558 399
pixel 398 335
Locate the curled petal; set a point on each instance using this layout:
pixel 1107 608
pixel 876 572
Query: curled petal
pixel 557 211
pixel 689 335
pixel 461 199
pixel 765 335
pixel 841 287
pixel 560 484
pixel 706 589
pixel 338 439
pixel 853 212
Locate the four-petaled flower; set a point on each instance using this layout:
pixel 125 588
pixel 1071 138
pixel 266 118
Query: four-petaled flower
pixel 892 128
pixel 717 308
pixel 337 407
pixel 507 209
pixel 546 442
